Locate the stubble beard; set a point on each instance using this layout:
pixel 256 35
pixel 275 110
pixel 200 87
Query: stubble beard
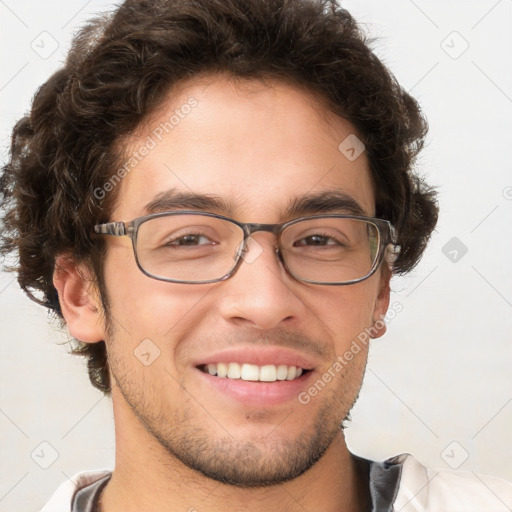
pixel 264 462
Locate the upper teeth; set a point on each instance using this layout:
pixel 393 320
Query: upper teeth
pixel 266 373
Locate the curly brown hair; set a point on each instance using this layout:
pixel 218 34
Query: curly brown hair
pixel 120 68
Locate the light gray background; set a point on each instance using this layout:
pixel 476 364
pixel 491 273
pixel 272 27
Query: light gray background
pixel 438 384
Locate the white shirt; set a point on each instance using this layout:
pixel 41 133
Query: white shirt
pixel 402 482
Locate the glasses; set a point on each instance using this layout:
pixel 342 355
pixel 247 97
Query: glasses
pixel 195 247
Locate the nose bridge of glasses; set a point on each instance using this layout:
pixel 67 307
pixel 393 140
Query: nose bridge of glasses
pixel 251 228
pixel 269 228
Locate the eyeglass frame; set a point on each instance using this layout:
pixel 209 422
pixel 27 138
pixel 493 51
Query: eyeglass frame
pixel 387 241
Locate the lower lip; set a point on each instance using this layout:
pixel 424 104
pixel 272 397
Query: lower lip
pixel 259 393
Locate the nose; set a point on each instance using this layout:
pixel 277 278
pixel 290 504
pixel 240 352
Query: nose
pixel 261 293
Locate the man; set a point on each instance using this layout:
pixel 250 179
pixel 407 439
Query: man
pixel 214 196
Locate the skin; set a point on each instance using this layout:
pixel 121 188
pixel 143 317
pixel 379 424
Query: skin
pixel 258 146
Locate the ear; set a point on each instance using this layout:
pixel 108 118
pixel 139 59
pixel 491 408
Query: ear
pixel 381 303
pixel 79 300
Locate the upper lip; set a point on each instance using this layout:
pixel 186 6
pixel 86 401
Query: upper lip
pixel 259 356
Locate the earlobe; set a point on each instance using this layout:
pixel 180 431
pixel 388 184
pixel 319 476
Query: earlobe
pixel 79 300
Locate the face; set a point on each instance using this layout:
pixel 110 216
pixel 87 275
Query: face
pixel 257 149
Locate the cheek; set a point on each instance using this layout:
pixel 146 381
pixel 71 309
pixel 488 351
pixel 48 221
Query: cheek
pixel 142 307
pixel 345 311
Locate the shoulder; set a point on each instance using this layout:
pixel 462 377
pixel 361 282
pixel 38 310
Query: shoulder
pixel 62 498
pixel 435 490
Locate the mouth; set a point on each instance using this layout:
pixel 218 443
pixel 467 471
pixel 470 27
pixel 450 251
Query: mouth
pixel 255 375
pixel 253 372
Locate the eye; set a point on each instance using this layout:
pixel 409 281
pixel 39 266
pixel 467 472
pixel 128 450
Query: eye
pixel 189 240
pixel 316 240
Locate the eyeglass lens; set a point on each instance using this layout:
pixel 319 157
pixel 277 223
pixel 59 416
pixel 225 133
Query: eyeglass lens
pixel 198 248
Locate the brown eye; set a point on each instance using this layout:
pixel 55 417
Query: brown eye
pixel 316 240
pixel 189 240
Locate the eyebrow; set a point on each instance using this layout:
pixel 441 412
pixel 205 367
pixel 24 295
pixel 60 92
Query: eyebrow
pixel 172 200
pixel 324 202
pixel 310 204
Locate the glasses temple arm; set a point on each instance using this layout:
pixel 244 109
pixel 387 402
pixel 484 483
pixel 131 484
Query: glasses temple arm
pixel 392 250
pixel 111 228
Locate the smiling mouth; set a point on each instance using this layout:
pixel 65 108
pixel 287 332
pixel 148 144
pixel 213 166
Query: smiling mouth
pixel 253 372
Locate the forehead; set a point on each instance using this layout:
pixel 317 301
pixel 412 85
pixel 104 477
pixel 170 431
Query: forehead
pixel 256 146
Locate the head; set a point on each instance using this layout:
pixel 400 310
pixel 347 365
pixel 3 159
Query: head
pixel 232 108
